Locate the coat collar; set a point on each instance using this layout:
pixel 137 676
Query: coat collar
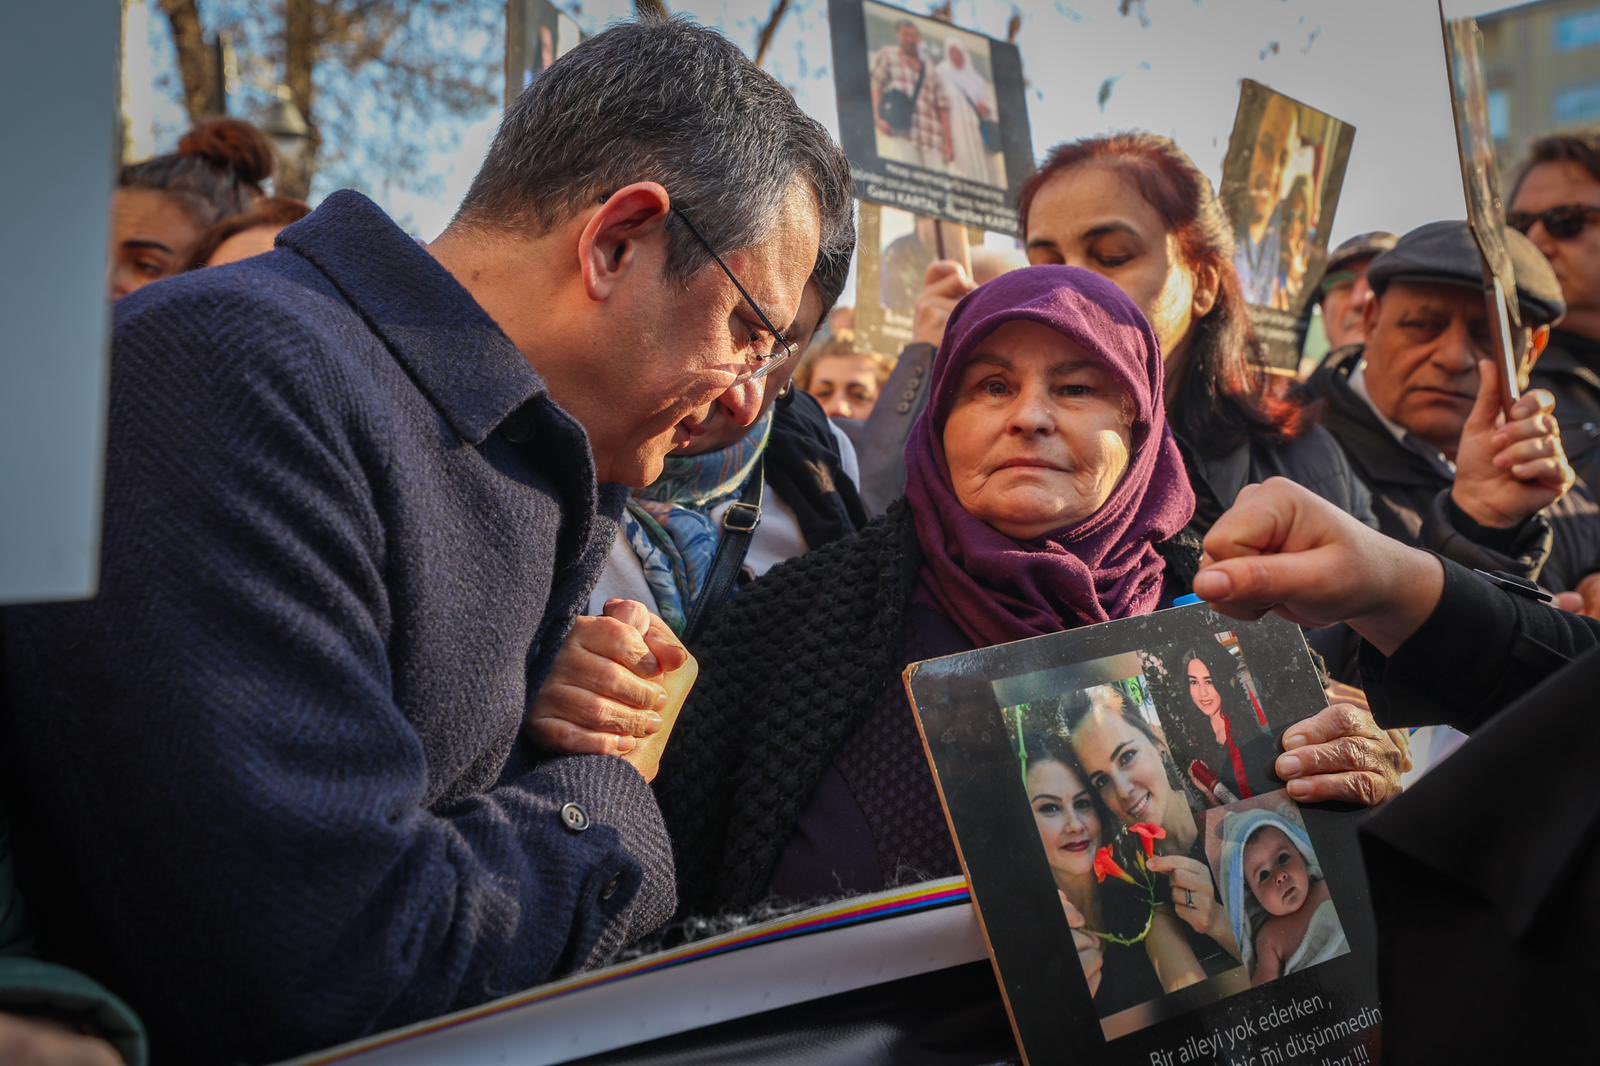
pixel 1570 355
pixel 458 356
pixel 1371 448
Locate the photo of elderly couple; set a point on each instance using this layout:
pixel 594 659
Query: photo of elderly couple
pixel 1180 863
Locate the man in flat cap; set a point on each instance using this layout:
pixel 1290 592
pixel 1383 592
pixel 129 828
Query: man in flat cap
pixel 1423 427
pixel 1343 291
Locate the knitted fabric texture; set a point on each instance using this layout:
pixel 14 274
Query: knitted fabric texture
pixel 263 776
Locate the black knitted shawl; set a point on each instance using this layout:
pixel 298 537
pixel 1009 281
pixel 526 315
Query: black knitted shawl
pixel 788 670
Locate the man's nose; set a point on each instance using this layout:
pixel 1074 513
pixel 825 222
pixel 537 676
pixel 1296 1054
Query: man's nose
pixel 743 401
pixel 1456 352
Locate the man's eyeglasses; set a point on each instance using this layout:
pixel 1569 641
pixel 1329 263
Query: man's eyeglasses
pixel 1563 223
pixel 782 351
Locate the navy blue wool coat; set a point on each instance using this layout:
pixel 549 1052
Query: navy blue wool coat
pixel 268 782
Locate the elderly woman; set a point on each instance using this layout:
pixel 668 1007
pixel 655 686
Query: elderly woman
pixel 1044 493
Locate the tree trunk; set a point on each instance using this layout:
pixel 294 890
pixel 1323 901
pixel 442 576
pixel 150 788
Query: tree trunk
pixel 196 65
pixel 655 8
pixel 770 30
pixel 299 59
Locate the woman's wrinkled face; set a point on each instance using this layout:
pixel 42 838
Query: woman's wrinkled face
pixel 1202 690
pixel 1064 812
pixel 152 237
pixel 1038 434
pixel 1124 767
pixel 1092 216
pixel 1276 871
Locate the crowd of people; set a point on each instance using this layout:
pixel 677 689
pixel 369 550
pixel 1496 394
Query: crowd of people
pixel 405 545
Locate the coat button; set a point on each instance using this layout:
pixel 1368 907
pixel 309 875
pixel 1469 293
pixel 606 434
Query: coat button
pixel 611 887
pixel 903 406
pixel 575 817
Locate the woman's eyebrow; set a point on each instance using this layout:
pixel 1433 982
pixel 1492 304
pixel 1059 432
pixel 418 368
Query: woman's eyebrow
pixel 1074 365
pixel 1046 796
pixel 992 360
pixel 1107 228
pixel 1118 749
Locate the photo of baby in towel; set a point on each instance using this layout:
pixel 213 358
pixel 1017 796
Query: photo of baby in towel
pixel 1271 887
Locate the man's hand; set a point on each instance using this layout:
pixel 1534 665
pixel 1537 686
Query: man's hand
pixel 1282 548
pixel 946 283
pixel 1341 754
pixel 1584 600
pixel 603 695
pixel 1509 470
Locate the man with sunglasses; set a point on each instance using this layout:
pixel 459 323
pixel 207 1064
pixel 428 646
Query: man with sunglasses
pixel 1343 291
pixel 1555 201
pixel 271 784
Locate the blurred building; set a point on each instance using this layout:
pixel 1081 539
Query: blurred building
pixel 1542 68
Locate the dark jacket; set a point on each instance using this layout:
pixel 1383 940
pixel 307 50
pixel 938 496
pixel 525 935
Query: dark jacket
pixel 805 469
pixel 265 772
pixel 790 672
pixel 1411 495
pixel 1485 873
pixel 1570 369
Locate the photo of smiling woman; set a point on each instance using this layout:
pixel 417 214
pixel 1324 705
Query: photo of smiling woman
pixel 1073 826
pixel 1225 730
pixel 1130 767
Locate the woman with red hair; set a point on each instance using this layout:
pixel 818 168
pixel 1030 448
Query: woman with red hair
pixel 1134 208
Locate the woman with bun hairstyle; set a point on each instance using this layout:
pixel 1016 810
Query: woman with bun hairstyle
pixel 162 206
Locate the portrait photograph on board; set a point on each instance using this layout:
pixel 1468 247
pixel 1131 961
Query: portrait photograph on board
pixel 932 116
pixel 1138 868
pixel 1281 181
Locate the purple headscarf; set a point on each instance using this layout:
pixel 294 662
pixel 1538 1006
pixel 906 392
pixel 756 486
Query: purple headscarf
pixel 996 588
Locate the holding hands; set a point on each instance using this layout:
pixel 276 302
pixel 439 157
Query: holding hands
pixel 605 694
pixel 1509 469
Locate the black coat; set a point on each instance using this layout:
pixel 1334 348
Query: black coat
pixel 790 670
pixel 1411 496
pixel 1570 369
pixel 1485 874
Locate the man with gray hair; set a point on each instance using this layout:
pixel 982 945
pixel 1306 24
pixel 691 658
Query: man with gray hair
pixel 269 783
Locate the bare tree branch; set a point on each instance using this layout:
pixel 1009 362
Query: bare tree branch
pixel 770 30
pixel 300 47
pixel 195 64
pixel 653 8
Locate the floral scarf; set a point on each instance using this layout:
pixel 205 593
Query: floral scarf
pixel 669 523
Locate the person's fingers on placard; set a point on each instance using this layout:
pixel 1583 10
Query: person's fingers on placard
pixel 1554 474
pixel 1533 404
pixel 1486 411
pixel 1341 754
pixel 1525 451
pixel 1401 738
pixel 1339 692
pixel 555 734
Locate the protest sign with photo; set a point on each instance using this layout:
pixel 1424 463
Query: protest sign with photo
pixel 1480 183
pixel 933 117
pixel 1148 890
pixel 537 34
pixel 894 249
pixel 1281 181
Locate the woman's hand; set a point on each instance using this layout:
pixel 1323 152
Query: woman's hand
pixel 1341 754
pixel 603 695
pixel 1194 898
pixel 1090 955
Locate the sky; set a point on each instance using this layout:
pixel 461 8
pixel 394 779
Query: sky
pixel 1174 68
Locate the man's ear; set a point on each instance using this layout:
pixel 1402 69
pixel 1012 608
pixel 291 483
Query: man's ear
pixel 1369 315
pixel 1207 283
pixel 1536 346
pixel 631 224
